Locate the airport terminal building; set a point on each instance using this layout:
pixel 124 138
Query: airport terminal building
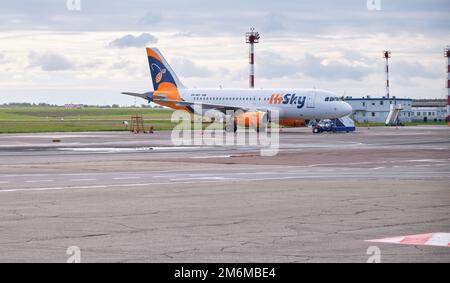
pixel 429 110
pixel 376 110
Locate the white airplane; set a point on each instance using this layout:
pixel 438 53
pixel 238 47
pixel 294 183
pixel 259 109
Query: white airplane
pixel 252 106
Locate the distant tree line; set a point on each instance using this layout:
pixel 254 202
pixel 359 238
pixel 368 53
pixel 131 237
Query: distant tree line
pixel 26 104
pixel 47 105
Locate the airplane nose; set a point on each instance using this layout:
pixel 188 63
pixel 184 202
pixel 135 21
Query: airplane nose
pixel 346 109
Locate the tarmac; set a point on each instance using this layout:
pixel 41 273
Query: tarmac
pixel 122 197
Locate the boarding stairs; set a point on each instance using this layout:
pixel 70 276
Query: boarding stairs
pixel 393 118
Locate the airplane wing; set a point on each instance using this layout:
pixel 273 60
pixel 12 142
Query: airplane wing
pixel 141 95
pixel 221 108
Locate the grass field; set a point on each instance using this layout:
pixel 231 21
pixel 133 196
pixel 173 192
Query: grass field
pixel 41 119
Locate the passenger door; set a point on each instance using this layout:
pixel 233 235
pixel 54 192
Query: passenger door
pixel 311 99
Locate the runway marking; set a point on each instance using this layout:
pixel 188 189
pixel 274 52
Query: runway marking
pixel 196 181
pixel 432 239
pixel 208 157
pixel 129 149
pixel 266 167
pixel 82 180
pixel 212 171
pixel 202 178
pixel 4 182
pixel 428 160
pixel 232 175
pixel 160 176
pixel 378 168
pixel 39 181
pixel 106 149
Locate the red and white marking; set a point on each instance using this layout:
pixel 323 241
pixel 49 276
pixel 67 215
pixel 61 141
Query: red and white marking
pixel 432 239
pixel 447 54
pixel 252 65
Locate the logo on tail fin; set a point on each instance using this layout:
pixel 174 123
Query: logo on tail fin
pixel 160 73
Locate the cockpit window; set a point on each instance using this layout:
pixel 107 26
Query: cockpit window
pixel 327 99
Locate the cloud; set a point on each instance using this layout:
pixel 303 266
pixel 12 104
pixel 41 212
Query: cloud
pixel 3 58
pixel 151 18
pixel 130 40
pixel 296 17
pixel 121 65
pixel 272 66
pixel 184 34
pixel 313 66
pixel 187 68
pixel 410 70
pixel 50 61
pixel 273 22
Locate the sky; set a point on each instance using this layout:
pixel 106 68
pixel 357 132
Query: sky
pixel 88 51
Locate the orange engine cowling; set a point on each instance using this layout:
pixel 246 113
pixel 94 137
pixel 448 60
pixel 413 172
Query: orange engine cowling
pixel 251 119
pixel 292 123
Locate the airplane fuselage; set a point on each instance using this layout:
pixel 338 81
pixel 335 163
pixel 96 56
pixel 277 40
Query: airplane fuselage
pixel 290 103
